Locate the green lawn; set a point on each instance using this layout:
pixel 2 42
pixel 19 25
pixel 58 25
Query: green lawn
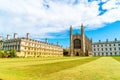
pixel 60 68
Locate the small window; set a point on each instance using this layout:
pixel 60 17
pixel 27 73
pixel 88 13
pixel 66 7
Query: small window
pixel 102 49
pixel 114 48
pixel 94 54
pixel 118 44
pixel 115 53
pixel 97 45
pixel 110 53
pixel 102 54
pixel 106 54
pixel 109 44
pixel 106 49
pixel 98 49
pixel 114 44
pixel 110 49
pixel 98 54
pixel 101 45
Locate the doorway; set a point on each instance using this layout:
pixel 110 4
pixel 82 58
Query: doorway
pixel 77 54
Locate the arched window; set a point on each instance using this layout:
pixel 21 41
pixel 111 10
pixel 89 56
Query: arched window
pixel 77 43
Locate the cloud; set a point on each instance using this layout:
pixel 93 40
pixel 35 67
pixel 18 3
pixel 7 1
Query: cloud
pixel 40 17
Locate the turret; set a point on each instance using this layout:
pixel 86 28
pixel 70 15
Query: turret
pixel 0 38
pixel 82 29
pixel 71 43
pixel 8 37
pixel 28 36
pixel 15 35
pixel 83 39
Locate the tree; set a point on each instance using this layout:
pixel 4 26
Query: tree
pixel 1 54
pixel 12 53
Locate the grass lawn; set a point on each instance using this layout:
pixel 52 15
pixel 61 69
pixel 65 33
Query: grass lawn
pixel 62 68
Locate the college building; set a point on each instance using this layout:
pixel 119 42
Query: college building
pixel 80 45
pixel 27 47
pixel 107 48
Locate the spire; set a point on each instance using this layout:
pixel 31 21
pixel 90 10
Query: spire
pixel 82 29
pixel 70 29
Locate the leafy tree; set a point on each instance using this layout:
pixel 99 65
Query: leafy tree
pixel 12 53
pixel 5 54
pixel 65 52
pixel 1 54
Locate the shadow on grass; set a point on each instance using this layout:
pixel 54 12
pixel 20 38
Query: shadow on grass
pixel 45 69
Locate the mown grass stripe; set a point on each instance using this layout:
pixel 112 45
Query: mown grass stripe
pixel 116 58
pixel 45 69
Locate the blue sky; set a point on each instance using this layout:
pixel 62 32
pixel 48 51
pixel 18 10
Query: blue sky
pixel 52 18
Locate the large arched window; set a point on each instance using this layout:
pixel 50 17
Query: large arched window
pixel 77 43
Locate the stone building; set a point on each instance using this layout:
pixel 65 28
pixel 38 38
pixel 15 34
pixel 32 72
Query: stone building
pixel 106 48
pixel 80 45
pixel 27 47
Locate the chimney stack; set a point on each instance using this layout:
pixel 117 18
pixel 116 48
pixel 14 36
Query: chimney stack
pixel 8 37
pixel 0 38
pixel 99 40
pixel 115 39
pixel 28 35
pixel 15 36
pixel 106 40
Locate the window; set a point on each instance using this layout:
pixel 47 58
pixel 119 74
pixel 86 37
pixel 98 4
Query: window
pixel 106 49
pixel 98 54
pixel 94 45
pixel 106 54
pixel 110 53
pixel 94 50
pixel 110 49
pixel 118 44
pixel 109 44
pixel 94 54
pixel 119 48
pixel 115 53
pixel 101 45
pixel 77 43
pixel 102 54
pixel 97 45
pixel 114 44
pixel 114 48
pixel 102 49
pixel 98 49
pixel 105 44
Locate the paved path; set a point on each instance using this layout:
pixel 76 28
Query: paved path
pixel 104 68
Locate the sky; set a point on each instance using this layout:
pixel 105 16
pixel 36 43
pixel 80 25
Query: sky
pixel 52 19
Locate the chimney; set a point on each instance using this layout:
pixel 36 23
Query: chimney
pixel 15 35
pixel 28 35
pixel 115 39
pixel 0 38
pixel 99 40
pixel 8 37
pixel 106 40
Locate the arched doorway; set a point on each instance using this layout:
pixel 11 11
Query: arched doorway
pixel 77 54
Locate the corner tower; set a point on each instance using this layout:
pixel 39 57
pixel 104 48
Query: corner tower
pixel 71 41
pixel 83 38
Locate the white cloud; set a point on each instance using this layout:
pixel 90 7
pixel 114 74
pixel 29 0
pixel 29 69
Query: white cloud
pixel 23 16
